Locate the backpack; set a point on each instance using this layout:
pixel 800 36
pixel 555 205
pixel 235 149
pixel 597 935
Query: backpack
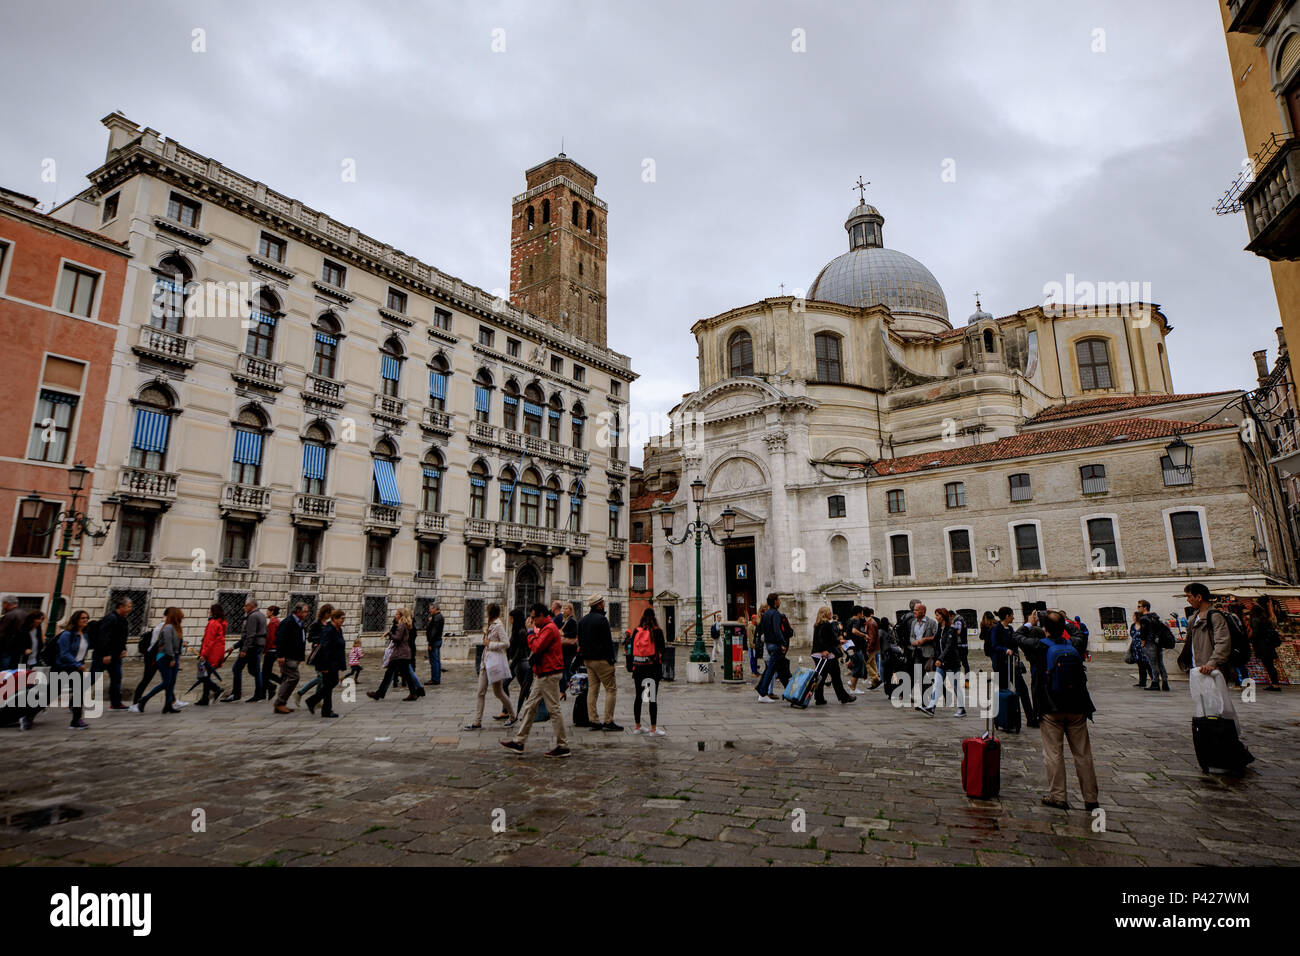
pixel 1240 653
pixel 1066 677
pixel 92 635
pixel 988 643
pixel 48 655
pixel 643 646
pixel 1164 636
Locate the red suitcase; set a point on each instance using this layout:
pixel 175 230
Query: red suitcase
pixel 981 765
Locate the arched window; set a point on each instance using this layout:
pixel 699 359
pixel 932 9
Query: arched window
pixel 315 458
pixel 507 499
pixel 988 340
pixel 668 569
pixel 246 467
pixel 577 495
pixel 438 370
pixel 740 353
pixel 153 417
pixel 431 486
pixel 169 295
pixel 325 361
pixel 553 416
pixel 390 367
pixel 840 556
pixel 591 220
pixel 576 212
pixel 261 325
pixel 533 411
pixel 615 507
pixel 384 485
pixel 1094 364
pixel 528 214
pixel 579 268
pixel 827 348
pixel 546 210
pixel 478 479
pixel 553 502
pixel 530 499
pixel 510 405
pixel 482 395
pixel 579 415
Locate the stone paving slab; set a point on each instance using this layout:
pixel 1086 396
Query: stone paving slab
pixel 735 783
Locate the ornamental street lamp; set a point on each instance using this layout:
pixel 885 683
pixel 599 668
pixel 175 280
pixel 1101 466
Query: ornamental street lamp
pixel 75 523
pixel 700 529
pixel 1180 454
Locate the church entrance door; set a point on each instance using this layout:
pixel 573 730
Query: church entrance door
pixel 741 590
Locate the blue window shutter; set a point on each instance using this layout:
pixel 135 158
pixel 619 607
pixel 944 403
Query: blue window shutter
pixel 386 480
pixel 150 430
pixel 531 409
pixel 313 461
pixel 482 398
pixel 248 447
pixel 438 385
pixel 390 368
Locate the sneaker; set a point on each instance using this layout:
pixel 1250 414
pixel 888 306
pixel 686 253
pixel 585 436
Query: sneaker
pixel 180 703
pixel 1269 687
pixel 775 697
pixel 961 712
pixel 1055 804
pixel 557 752
pixel 763 699
pixel 80 725
pixel 928 711
pixel 1155 687
pixel 849 700
pixel 660 732
pixel 228 698
pixel 472 727
pixel 1143 684
pixel 637 731
pixel 500 716
pixel 117 707
pixel 512 745
pixel 134 709
pixel 859 690
pixel 24 723
pixel 613 726
pixel 596 727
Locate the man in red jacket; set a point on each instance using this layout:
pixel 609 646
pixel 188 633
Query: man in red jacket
pixel 548 666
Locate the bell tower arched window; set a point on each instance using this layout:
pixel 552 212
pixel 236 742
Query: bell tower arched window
pixel 740 354
pixel 1094 364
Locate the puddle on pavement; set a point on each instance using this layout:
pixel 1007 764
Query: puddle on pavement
pixel 44 817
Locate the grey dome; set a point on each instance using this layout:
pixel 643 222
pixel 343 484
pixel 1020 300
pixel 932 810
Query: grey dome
pixel 873 275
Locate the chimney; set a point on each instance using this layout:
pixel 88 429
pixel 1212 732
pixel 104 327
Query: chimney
pixel 1261 365
pixel 1281 340
pixel 121 131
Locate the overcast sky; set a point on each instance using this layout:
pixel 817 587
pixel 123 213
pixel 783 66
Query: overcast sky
pixel 1105 164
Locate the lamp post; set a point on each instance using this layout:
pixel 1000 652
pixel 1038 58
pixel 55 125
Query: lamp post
pixel 700 529
pixel 1180 454
pixel 73 522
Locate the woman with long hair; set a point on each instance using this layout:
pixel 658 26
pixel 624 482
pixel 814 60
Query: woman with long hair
pixel 494 670
pixel 947 663
pixel 517 655
pixel 168 655
pixel 331 659
pixel 73 646
pixel 400 661
pixel 647 670
pixel 314 633
pixel 826 645
pixel 212 652
pixel 27 641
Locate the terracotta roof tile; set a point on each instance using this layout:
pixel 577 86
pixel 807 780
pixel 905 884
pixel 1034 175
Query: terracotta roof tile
pixel 1044 442
pixel 1113 403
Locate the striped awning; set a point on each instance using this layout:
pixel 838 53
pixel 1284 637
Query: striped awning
pixel 482 398
pixel 248 447
pixel 552 496
pixel 578 420
pixel 326 339
pixel 613 509
pixel 390 368
pixel 531 409
pixel 575 499
pixel 555 415
pixel 58 398
pixel 478 482
pixel 438 385
pixel 150 430
pixel 386 482
pixel 263 317
pixel 313 461
pixel 431 472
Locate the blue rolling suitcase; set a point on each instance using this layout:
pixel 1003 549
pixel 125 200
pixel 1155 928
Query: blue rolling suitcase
pixel 800 688
pixel 1008 716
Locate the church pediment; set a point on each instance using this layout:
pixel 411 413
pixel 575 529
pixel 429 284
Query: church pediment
pixel 736 474
pixel 840 587
pixel 667 597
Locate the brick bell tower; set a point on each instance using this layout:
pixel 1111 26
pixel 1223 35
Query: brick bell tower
pixel 557 248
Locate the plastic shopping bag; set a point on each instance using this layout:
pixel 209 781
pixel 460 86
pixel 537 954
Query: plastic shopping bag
pixel 1210 693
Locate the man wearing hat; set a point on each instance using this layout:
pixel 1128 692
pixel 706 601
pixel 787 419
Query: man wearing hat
pixel 597 649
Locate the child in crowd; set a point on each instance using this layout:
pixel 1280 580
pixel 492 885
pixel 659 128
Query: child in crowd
pixel 354 659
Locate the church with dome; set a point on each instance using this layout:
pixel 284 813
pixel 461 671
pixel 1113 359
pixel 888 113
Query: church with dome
pixel 872 452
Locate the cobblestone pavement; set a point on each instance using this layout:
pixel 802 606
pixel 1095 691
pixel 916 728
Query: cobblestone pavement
pixel 399 783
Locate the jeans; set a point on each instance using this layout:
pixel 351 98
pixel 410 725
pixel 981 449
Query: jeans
pixel 404 668
pixel 114 670
pixel 167 683
pixel 435 663
pixel 775 655
pixel 941 677
pixel 325 693
pixel 1156 663
pixel 250 661
pixel 150 669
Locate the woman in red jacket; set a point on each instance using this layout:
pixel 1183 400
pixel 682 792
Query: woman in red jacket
pixel 212 652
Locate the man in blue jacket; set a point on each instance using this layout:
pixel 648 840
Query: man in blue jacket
pixel 776 643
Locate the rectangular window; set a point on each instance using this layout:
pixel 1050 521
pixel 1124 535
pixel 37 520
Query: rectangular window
pixel 427 560
pixel 110 208
pixel 512 348
pixel 374 613
pixel 4 255
pixel 473 566
pixel 955 494
pixel 897 501
pixel 509 413
pixel 1027 554
pixel 52 429
pixel 332 273
pixel 615 575
pixel 959 548
pixel 438 391
pixel 553 426
pixel 376 554
pixel 1176 476
pixel 306 550
pixel 1104 555
pixel 557 365
pixel 575 572
pixel 135 535
pixel 237 545
pixel 579 373
pixel 182 210
pixel 639 577
pixel 396 301
pixel 270 247
pixel 1020 488
pixel 827 349
pixel 482 402
pixel 835 506
pixel 1094 479
pixel 615 387
pixel 1189 543
pixel 486 336
pixel 442 319
pixel 76 291
pixel 638 532
pixel 900 554
pixel 530 502
pixel 477 497
pixel 613 521
pixel 27 543
pixel 473 615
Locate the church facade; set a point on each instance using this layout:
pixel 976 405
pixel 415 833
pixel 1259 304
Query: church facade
pixel 872 453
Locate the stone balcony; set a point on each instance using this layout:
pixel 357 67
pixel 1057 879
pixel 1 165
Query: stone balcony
pixel 389 408
pixel 507 532
pixel 616 546
pixel 249 499
pixel 317 510
pixel 515 442
pixel 325 389
pixel 170 347
pixel 436 421
pixel 259 372
pixel 616 466
pixel 158 487
pixel 383 518
pixel 430 524
pixel 1272 201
